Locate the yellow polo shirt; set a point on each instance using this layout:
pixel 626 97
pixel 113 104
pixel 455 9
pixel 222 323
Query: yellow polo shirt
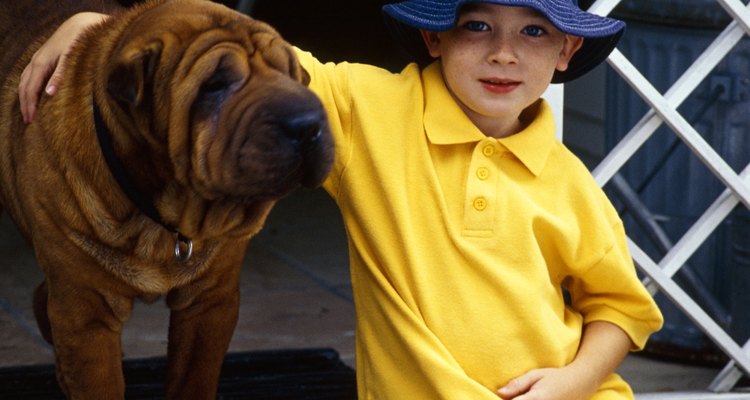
pixel 460 244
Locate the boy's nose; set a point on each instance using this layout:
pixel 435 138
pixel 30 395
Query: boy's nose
pixel 503 51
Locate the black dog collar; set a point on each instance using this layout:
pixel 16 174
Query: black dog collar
pixel 131 190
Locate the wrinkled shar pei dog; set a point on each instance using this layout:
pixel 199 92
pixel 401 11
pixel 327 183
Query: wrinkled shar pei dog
pixel 177 127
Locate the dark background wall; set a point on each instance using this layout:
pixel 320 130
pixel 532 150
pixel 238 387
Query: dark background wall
pixel 333 30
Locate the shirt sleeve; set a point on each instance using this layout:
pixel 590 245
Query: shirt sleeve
pixel 611 291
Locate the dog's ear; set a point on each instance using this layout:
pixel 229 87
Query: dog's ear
pixel 296 69
pixel 133 75
pixel 305 76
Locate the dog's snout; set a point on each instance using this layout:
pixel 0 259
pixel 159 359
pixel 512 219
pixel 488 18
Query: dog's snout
pixel 304 127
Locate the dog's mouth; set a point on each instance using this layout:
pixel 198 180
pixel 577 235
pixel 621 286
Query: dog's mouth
pixel 309 135
pixel 266 156
pixel 301 155
pixel 289 143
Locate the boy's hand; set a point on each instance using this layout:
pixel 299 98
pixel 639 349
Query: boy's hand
pixel 603 347
pixel 547 384
pixel 49 62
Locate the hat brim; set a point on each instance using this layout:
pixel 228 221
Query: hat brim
pixel 600 34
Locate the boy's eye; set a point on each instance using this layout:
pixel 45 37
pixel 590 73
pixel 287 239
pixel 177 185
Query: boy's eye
pixel 533 30
pixel 476 26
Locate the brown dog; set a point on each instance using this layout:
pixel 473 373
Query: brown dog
pixel 178 125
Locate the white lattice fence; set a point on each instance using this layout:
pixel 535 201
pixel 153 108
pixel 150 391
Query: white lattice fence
pixel 664 110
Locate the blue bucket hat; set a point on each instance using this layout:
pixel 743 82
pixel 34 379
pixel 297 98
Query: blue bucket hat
pixel 600 34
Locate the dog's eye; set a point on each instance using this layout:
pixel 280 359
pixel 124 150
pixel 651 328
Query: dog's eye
pixel 217 86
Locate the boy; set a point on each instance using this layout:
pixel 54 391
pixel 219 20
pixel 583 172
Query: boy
pixel 466 220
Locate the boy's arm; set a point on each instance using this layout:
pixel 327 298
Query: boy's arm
pixel 47 64
pixel 603 347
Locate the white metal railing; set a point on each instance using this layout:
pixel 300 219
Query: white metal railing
pixel 663 110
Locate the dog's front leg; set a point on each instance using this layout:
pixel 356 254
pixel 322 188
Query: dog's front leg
pixel 203 318
pixel 86 327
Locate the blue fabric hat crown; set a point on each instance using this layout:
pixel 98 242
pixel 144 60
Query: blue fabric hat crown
pixel 600 34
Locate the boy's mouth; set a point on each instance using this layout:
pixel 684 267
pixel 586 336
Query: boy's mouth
pixel 499 85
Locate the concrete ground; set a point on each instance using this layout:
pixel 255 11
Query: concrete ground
pixel 295 294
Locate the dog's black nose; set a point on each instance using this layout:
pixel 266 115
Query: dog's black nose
pixel 304 128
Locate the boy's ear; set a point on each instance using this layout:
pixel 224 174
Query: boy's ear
pixel 432 41
pixel 571 45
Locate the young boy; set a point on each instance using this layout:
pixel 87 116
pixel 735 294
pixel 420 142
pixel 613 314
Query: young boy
pixel 466 220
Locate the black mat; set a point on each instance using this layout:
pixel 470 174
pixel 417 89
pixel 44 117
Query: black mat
pixel 310 374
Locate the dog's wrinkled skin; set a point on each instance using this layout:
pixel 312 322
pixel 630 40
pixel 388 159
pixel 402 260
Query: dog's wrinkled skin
pixel 208 111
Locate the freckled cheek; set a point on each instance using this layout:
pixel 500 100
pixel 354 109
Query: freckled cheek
pixel 456 65
pixel 543 59
pixel 465 49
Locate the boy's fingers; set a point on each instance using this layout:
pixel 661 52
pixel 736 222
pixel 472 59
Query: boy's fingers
pixel 28 90
pixel 518 386
pixel 56 78
pixel 33 80
pixel 514 388
pixel 24 97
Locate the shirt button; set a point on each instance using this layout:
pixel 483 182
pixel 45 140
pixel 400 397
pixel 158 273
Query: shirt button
pixel 483 173
pixel 480 203
pixel 488 151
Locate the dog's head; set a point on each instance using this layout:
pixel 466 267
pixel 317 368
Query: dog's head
pixel 224 98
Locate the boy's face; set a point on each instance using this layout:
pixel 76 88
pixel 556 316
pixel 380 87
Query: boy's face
pixel 498 60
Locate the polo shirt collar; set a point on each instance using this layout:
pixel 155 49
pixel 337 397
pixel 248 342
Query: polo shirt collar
pixel 445 124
